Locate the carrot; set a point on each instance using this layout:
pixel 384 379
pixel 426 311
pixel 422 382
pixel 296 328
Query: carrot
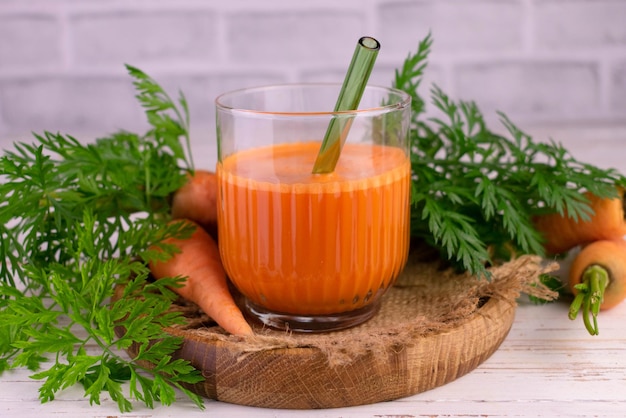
pixel 597 278
pixel 206 283
pixel 561 233
pixel 197 200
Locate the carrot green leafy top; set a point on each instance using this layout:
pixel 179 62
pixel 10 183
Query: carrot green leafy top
pixel 475 191
pixel 77 219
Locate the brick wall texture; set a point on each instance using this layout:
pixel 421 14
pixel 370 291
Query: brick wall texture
pixel 542 62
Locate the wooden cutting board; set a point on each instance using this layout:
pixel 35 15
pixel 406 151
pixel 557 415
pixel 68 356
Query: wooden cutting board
pixel 432 328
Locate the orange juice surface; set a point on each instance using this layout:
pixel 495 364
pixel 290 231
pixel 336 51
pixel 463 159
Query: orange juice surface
pixel 313 244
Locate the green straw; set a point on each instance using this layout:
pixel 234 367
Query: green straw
pixel 349 97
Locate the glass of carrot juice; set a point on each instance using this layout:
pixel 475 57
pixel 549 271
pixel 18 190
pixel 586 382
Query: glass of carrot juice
pixel 312 252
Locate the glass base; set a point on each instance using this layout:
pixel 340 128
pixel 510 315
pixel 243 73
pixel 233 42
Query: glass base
pixel 310 323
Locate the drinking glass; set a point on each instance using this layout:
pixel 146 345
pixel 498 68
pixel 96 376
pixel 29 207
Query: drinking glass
pixel 312 252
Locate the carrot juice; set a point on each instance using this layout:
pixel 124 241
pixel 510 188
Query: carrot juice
pixel 313 244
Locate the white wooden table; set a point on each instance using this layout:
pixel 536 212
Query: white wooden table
pixel 548 366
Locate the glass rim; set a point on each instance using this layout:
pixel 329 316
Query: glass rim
pixel 405 100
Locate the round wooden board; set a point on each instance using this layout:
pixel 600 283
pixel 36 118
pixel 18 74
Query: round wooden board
pixel 301 374
pixel 300 377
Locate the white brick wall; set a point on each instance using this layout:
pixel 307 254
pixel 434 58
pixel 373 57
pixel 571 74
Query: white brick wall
pixel 21 46
pixel 554 66
pixel 106 38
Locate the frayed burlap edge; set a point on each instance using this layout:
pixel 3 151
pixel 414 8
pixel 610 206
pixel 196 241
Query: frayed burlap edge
pixel 425 300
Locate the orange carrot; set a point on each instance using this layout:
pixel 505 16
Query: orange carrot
pixel 597 278
pixel 197 200
pixel 206 283
pixel 562 233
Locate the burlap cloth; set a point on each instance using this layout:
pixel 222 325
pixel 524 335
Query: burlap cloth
pixel 426 299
